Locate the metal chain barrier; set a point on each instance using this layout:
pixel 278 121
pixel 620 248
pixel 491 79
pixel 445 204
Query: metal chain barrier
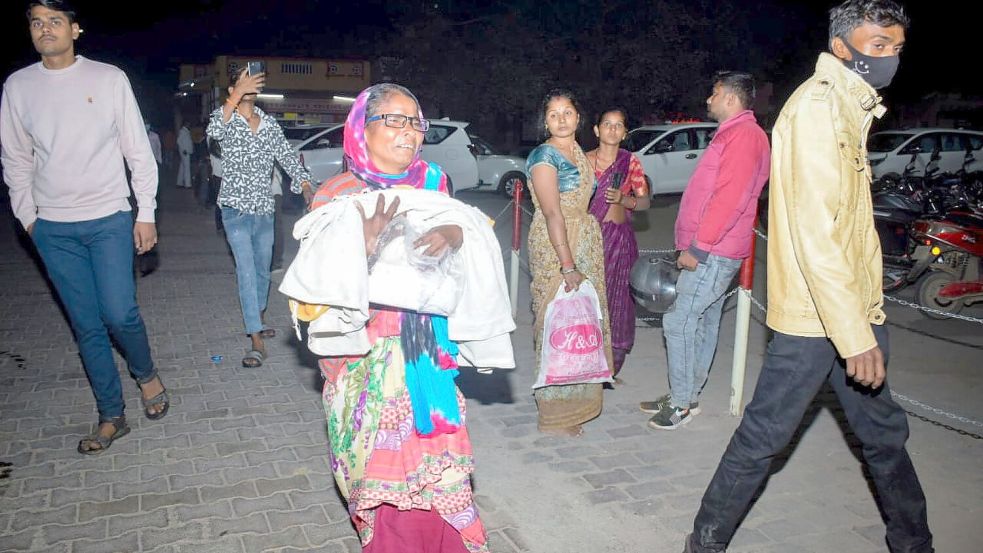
pixel 944 426
pixel 523 264
pixel 507 206
pixel 936 410
pixel 758 304
pixel 648 319
pixel 913 305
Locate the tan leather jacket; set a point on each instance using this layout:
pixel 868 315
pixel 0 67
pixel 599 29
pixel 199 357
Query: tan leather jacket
pixel 824 257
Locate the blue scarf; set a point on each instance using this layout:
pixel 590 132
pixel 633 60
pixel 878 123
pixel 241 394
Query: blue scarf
pixel 431 368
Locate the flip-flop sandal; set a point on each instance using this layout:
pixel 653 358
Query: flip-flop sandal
pixel 253 359
pixel 268 333
pixel 104 442
pixel 160 399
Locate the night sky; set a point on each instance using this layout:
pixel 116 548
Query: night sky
pixel 150 39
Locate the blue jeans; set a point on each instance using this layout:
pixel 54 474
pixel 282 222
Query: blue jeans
pixel 691 327
pixel 251 238
pixel 794 369
pixel 91 265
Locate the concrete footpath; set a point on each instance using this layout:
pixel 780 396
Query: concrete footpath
pixel 240 462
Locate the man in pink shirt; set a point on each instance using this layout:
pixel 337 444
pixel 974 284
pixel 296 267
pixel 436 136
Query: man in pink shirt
pixel 66 125
pixel 713 235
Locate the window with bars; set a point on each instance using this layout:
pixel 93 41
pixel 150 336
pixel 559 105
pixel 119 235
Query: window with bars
pixel 296 68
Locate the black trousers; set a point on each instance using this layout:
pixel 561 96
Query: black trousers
pixel 794 370
pixel 214 186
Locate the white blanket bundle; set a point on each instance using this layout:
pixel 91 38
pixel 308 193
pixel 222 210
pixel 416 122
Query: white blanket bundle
pixel 331 269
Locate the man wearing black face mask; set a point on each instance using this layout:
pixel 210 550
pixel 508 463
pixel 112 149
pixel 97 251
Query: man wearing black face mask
pixel 824 287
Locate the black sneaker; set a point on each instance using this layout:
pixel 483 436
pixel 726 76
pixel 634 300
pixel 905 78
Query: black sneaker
pixel 653 407
pixel 670 417
pixel 688 548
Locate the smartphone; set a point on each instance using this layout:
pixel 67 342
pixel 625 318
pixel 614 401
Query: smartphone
pixel 616 180
pixel 256 67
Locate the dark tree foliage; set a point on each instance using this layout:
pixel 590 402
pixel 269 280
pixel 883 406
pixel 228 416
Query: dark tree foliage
pixel 491 65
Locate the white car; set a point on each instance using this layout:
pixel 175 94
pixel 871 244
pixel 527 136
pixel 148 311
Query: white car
pixel 890 151
pixel 446 143
pixel 299 133
pixel 498 172
pixel 669 153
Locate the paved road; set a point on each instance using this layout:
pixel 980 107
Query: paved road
pixel 239 464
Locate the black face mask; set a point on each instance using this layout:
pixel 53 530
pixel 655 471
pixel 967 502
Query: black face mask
pixel 878 72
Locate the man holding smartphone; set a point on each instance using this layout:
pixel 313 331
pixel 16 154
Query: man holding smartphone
pixel 251 141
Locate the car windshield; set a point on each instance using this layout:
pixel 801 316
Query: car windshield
pixel 639 138
pixel 483 146
pixel 886 141
pixel 301 133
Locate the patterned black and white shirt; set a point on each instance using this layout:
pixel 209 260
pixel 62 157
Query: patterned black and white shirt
pixel 247 161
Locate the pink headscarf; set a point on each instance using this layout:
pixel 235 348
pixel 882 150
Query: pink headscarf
pixel 419 174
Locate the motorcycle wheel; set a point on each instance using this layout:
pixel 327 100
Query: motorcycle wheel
pixel 928 295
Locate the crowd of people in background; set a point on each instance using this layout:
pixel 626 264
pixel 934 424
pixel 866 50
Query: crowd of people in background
pixel 397 438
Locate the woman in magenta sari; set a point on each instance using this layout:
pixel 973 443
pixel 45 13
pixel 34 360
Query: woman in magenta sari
pixel 621 190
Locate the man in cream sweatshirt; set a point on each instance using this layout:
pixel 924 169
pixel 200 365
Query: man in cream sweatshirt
pixel 66 125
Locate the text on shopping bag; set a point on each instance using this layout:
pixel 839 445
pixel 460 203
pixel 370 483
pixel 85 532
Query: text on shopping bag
pixel 579 339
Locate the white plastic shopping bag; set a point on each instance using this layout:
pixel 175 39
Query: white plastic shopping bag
pixel 573 342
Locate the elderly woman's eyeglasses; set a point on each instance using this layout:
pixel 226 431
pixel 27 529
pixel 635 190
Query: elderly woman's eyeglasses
pixel 398 121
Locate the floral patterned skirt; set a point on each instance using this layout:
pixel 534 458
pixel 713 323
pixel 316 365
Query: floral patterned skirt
pixel 379 459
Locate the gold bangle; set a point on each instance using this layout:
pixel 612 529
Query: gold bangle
pixel 568 271
pixel 560 245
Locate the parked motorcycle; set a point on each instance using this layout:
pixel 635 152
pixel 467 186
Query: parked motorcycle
pixel 897 202
pixel 903 199
pixel 950 254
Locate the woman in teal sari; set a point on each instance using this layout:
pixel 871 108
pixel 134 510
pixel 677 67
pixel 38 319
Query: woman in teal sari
pixel 565 247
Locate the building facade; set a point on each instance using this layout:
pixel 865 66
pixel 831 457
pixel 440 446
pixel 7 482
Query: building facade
pixel 298 91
